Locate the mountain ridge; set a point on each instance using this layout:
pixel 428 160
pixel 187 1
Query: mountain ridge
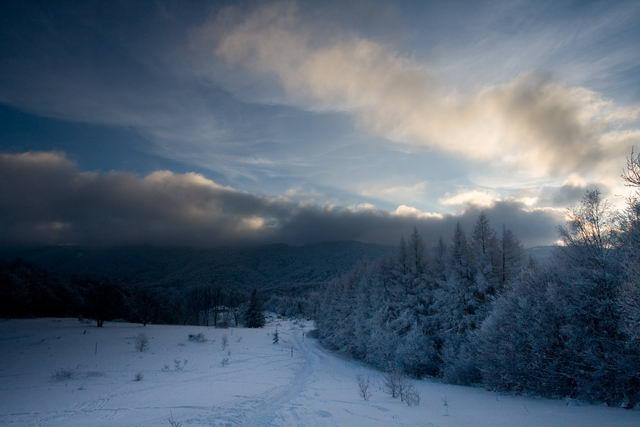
pixel 273 266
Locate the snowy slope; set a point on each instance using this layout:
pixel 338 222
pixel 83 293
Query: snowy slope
pixel 263 384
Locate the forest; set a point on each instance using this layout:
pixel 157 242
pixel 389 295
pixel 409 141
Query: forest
pixel 476 310
pixel 27 291
pixel 169 285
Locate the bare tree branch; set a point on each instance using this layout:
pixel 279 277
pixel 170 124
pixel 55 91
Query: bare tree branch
pixel 631 173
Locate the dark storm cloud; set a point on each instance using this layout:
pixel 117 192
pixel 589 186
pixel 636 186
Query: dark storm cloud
pixel 568 194
pixel 537 227
pixel 46 199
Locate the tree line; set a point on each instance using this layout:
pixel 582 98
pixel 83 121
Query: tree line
pixel 28 291
pixel 476 310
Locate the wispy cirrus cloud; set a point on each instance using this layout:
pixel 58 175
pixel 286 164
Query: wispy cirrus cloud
pixel 414 107
pixel 530 122
pixel 409 193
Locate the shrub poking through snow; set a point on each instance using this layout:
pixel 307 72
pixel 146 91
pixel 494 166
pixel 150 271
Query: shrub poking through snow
pixel 225 342
pixel 138 377
pixel 63 375
pixel 397 384
pixel 172 421
pixel 197 338
pixel 394 382
pixel 363 386
pixel 226 360
pixel 410 395
pixel 179 365
pixel 142 342
pixel 445 405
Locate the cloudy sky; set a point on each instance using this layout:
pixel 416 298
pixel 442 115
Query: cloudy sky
pixel 218 122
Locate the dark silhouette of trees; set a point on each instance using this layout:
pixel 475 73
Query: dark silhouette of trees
pixel 254 317
pixel 103 301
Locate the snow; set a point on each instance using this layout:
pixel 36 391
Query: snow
pixel 263 384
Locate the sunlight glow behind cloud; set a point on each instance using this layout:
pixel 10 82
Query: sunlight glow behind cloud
pixel 46 199
pixel 270 117
pixel 531 122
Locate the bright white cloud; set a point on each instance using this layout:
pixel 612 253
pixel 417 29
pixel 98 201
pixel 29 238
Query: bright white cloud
pixel 531 122
pixel 472 197
pixel 410 211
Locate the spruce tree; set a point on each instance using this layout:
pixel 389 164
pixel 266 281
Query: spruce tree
pixel 512 257
pixel 253 317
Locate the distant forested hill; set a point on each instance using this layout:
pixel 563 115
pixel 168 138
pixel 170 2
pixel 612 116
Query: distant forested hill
pixel 267 267
pixel 542 254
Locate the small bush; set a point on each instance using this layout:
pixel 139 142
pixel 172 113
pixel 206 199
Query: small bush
pixel 225 361
pixel 410 395
pixel 63 375
pixel 225 342
pixel 172 421
pixel 197 338
pixel 142 342
pixel 394 382
pixel 225 322
pixel 138 377
pixel 179 365
pixel 363 386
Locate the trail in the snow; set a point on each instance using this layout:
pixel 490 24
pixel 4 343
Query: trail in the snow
pixel 277 407
pixel 291 405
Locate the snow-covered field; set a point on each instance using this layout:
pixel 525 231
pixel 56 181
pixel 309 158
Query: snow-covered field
pixel 262 384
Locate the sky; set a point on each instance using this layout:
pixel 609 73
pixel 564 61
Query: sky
pixel 206 123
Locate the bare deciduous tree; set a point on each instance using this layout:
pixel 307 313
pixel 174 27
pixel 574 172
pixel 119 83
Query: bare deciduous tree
pixel 393 382
pixel 631 173
pixel 142 342
pixel 225 342
pixel 172 421
pixel 363 386
pixel 397 384
pixel 410 395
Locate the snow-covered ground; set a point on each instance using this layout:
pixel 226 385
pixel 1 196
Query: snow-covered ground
pixel 263 383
